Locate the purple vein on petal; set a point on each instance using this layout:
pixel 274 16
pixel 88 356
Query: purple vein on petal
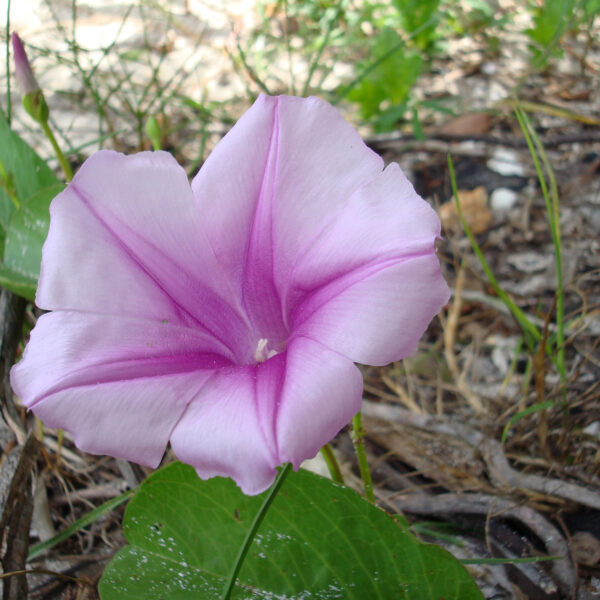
pixel 187 316
pixel 309 243
pixel 260 296
pixel 344 280
pixel 121 370
pixel 290 306
pixel 268 417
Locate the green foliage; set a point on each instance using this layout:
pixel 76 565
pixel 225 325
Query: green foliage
pixel 551 20
pixel 319 540
pixel 395 62
pixel 591 8
pixel 478 17
pixel 29 188
pixel 419 18
pixel 389 75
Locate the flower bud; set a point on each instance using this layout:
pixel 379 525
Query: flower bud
pixel 33 97
pixel 25 76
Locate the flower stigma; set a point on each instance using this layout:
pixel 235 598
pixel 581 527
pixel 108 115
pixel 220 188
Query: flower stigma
pixel 262 352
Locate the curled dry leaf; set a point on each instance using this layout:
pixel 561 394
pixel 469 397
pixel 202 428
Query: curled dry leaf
pixel 475 209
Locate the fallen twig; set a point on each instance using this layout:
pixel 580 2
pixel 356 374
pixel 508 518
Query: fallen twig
pixel 499 469
pixel 493 506
pixel 385 140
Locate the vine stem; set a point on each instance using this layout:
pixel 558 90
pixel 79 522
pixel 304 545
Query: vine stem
pixel 358 435
pixel 332 464
pixel 258 519
pixel 64 165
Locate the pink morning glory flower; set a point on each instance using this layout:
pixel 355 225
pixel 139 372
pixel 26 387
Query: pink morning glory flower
pixel 227 317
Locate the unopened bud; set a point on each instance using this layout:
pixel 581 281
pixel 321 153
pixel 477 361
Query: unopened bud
pixel 33 97
pixel 25 76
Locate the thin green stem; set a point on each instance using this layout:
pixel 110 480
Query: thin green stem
pixel 258 519
pixel 288 45
pixel 315 61
pixel 251 72
pixel 64 164
pixel 332 464
pixel 358 439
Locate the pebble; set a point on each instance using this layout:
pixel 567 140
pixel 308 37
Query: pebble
pixel 506 162
pixel 503 199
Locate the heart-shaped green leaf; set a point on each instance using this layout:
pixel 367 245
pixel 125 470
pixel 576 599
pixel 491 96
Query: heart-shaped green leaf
pixel 318 540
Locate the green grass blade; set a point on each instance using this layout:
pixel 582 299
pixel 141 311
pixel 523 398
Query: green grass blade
pixel 531 332
pixel 528 411
pixel 551 198
pixel 317 57
pixel 84 521
pixel 508 561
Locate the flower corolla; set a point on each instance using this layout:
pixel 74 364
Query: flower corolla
pixel 226 317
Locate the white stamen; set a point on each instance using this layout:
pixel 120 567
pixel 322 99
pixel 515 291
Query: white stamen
pixel 262 353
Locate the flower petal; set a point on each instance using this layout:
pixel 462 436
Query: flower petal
pixel 126 419
pixel 375 315
pixel 383 220
pixel 247 420
pixel 322 392
pixel 126 239
pixel 287 166
pixel 221 433
pixel 363 264
pixel 118 385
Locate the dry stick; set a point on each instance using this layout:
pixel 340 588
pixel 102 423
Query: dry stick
pixel 402 394
pixel 449 337
pixel 16 473
pixel 47 572
pixel 503 474
pixel 591 325
pixel 15 515
pixel 12 314
pixel 500 471
pixel 483 504
pixel 395 138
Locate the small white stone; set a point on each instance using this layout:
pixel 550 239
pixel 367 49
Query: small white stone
pixel 506 162
pixel 489 68
pixel 593 429
pixel 503 199
pixel 530 262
